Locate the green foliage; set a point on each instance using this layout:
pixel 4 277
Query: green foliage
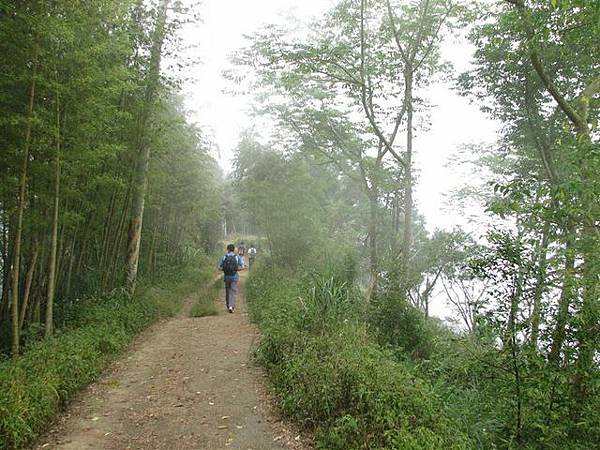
pixel 329 300
pixel 332 377
pixel 36 385
pixel 289 198
pixel 536 69
pixel 401 326
pixel 85 66
pixel 525 372
pixel 403 381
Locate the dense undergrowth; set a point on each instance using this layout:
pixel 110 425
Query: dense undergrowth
pixel 37 384
pixel 383 376
pixel 333 377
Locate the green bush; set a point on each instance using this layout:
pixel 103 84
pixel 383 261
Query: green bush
pixel 35 386
pixel 400 380
pixel 327 301
pixel 332 377
pixel 400 326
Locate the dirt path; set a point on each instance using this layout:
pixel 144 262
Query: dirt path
pixel 187 383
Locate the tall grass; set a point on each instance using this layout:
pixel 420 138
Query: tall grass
pixel 384 376
pixel 205 305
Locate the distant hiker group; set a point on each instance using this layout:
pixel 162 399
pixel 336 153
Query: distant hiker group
pixel 251 255
pixel 232 263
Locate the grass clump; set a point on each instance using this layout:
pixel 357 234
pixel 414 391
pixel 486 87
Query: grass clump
pixel 205 304
pixel 34 386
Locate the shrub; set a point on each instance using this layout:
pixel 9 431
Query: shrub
pixel 326 301
pixel 400 380
pixel 332 377
pixel 400 326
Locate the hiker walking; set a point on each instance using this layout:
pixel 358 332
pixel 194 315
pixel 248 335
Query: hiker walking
pixel 251 255
pixel 231 264
pixel 241 251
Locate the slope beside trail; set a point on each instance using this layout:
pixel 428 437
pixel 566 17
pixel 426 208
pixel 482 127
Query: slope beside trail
pixel 186 383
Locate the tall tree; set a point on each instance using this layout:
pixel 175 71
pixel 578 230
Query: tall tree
pixel 537 67
pixel 140 180
pixel 364 62
pixel 91 62
pixel 16 264
pixel 54 237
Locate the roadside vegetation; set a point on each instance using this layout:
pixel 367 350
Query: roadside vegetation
pixel 83 102
pixel 333 377
pixel 108 196
pixel 383 376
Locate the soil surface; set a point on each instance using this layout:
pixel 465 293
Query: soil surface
pixel 185 383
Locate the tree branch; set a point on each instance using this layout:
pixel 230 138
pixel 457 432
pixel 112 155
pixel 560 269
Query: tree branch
pixel 368 105
pixel 590 91
pixel 419 38
pixel 567 108
pixel 572 113
pixel 395 31
pixel 433 38
pixel 539 138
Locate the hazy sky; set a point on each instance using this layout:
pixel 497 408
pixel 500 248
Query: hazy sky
pixel 225 22
pixel 454 122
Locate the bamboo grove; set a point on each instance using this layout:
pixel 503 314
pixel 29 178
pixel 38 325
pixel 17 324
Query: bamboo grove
pixel 93 139
pixel 350 96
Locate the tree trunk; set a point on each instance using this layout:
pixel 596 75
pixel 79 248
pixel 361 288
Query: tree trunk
pixel 38 286
pixel 16 265
pixel 60 255
pixel 141 172
pixel 5 259
pixel 70 270
pixel 509 337
pixel 152 253
pixel 559 333
pixel 6 272
pixel 104 255
pixel 407 238
pixel 82 251
pixel 540 286
pixel 373 230
pixel 28 281
pixel 589 328
pixel 116 254
pixel 54 237
pixel 425 296
pixel 396 215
